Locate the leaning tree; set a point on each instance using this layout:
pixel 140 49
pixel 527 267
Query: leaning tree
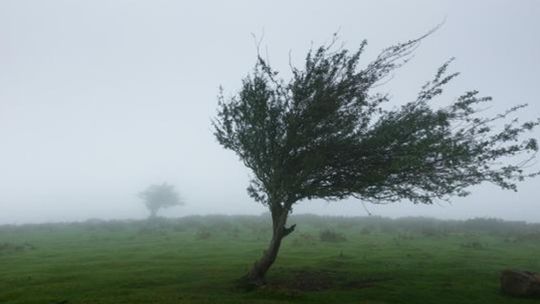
pixel 326 134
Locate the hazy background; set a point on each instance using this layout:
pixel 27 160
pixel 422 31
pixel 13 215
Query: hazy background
pixel 99 99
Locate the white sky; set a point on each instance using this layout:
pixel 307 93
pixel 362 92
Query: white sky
pixel 99 99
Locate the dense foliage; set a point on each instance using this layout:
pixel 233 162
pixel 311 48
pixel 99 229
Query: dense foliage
pixel 325 133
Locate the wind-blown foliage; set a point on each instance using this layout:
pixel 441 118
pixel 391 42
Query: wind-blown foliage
pixel 326 134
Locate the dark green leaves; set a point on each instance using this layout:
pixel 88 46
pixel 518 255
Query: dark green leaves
pixel 323 134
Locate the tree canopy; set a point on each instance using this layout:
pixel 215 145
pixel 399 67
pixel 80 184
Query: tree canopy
pixel 160 196
pixel 326 133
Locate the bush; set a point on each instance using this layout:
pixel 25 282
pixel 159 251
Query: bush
pixel 331 236
pixel 203 234
pixel 472 245
pixel 428 231
pixel 12 248
pixel 365 231
pixel 304 239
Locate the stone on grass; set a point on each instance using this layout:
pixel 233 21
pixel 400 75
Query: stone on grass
pixel 520 283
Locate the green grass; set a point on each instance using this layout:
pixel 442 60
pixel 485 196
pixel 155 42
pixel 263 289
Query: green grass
pixel 199 259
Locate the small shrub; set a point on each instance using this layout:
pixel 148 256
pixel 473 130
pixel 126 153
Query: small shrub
pixel 529 237
pixel 152 228
pixel 13 248
pixel 472 245
pixel 365 231
pixel 304 239
pixel 331 236
pixel 203 234
pixel 404 237
pixel 510 239
pixel 432 232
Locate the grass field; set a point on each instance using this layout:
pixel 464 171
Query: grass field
pixel 326 260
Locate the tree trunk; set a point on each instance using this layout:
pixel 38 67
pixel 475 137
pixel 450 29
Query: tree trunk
pixel 256 275
pixel 153 213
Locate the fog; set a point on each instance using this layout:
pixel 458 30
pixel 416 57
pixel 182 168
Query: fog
pixel 99 99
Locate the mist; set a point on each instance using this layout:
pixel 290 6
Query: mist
pixel 100 99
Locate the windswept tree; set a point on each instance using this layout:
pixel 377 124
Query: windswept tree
pixel 325 133
pixel 160 196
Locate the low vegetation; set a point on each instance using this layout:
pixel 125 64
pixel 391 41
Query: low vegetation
pixel 328 235
pixel 329 260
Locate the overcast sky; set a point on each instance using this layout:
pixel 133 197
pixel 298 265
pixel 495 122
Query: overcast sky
pixel 99 99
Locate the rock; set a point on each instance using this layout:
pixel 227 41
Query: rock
pixel 520 283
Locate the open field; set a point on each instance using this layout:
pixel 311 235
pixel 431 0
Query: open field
pixel 326 260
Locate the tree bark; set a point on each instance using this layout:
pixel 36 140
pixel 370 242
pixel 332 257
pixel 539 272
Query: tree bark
pixel 256 275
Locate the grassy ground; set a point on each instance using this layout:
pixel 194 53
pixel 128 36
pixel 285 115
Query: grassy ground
pixel 326 260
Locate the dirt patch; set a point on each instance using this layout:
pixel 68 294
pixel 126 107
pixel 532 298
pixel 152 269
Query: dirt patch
pixel 312 280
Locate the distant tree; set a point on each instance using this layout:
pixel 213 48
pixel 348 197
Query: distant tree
pixel 160 196
pixel 325 134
